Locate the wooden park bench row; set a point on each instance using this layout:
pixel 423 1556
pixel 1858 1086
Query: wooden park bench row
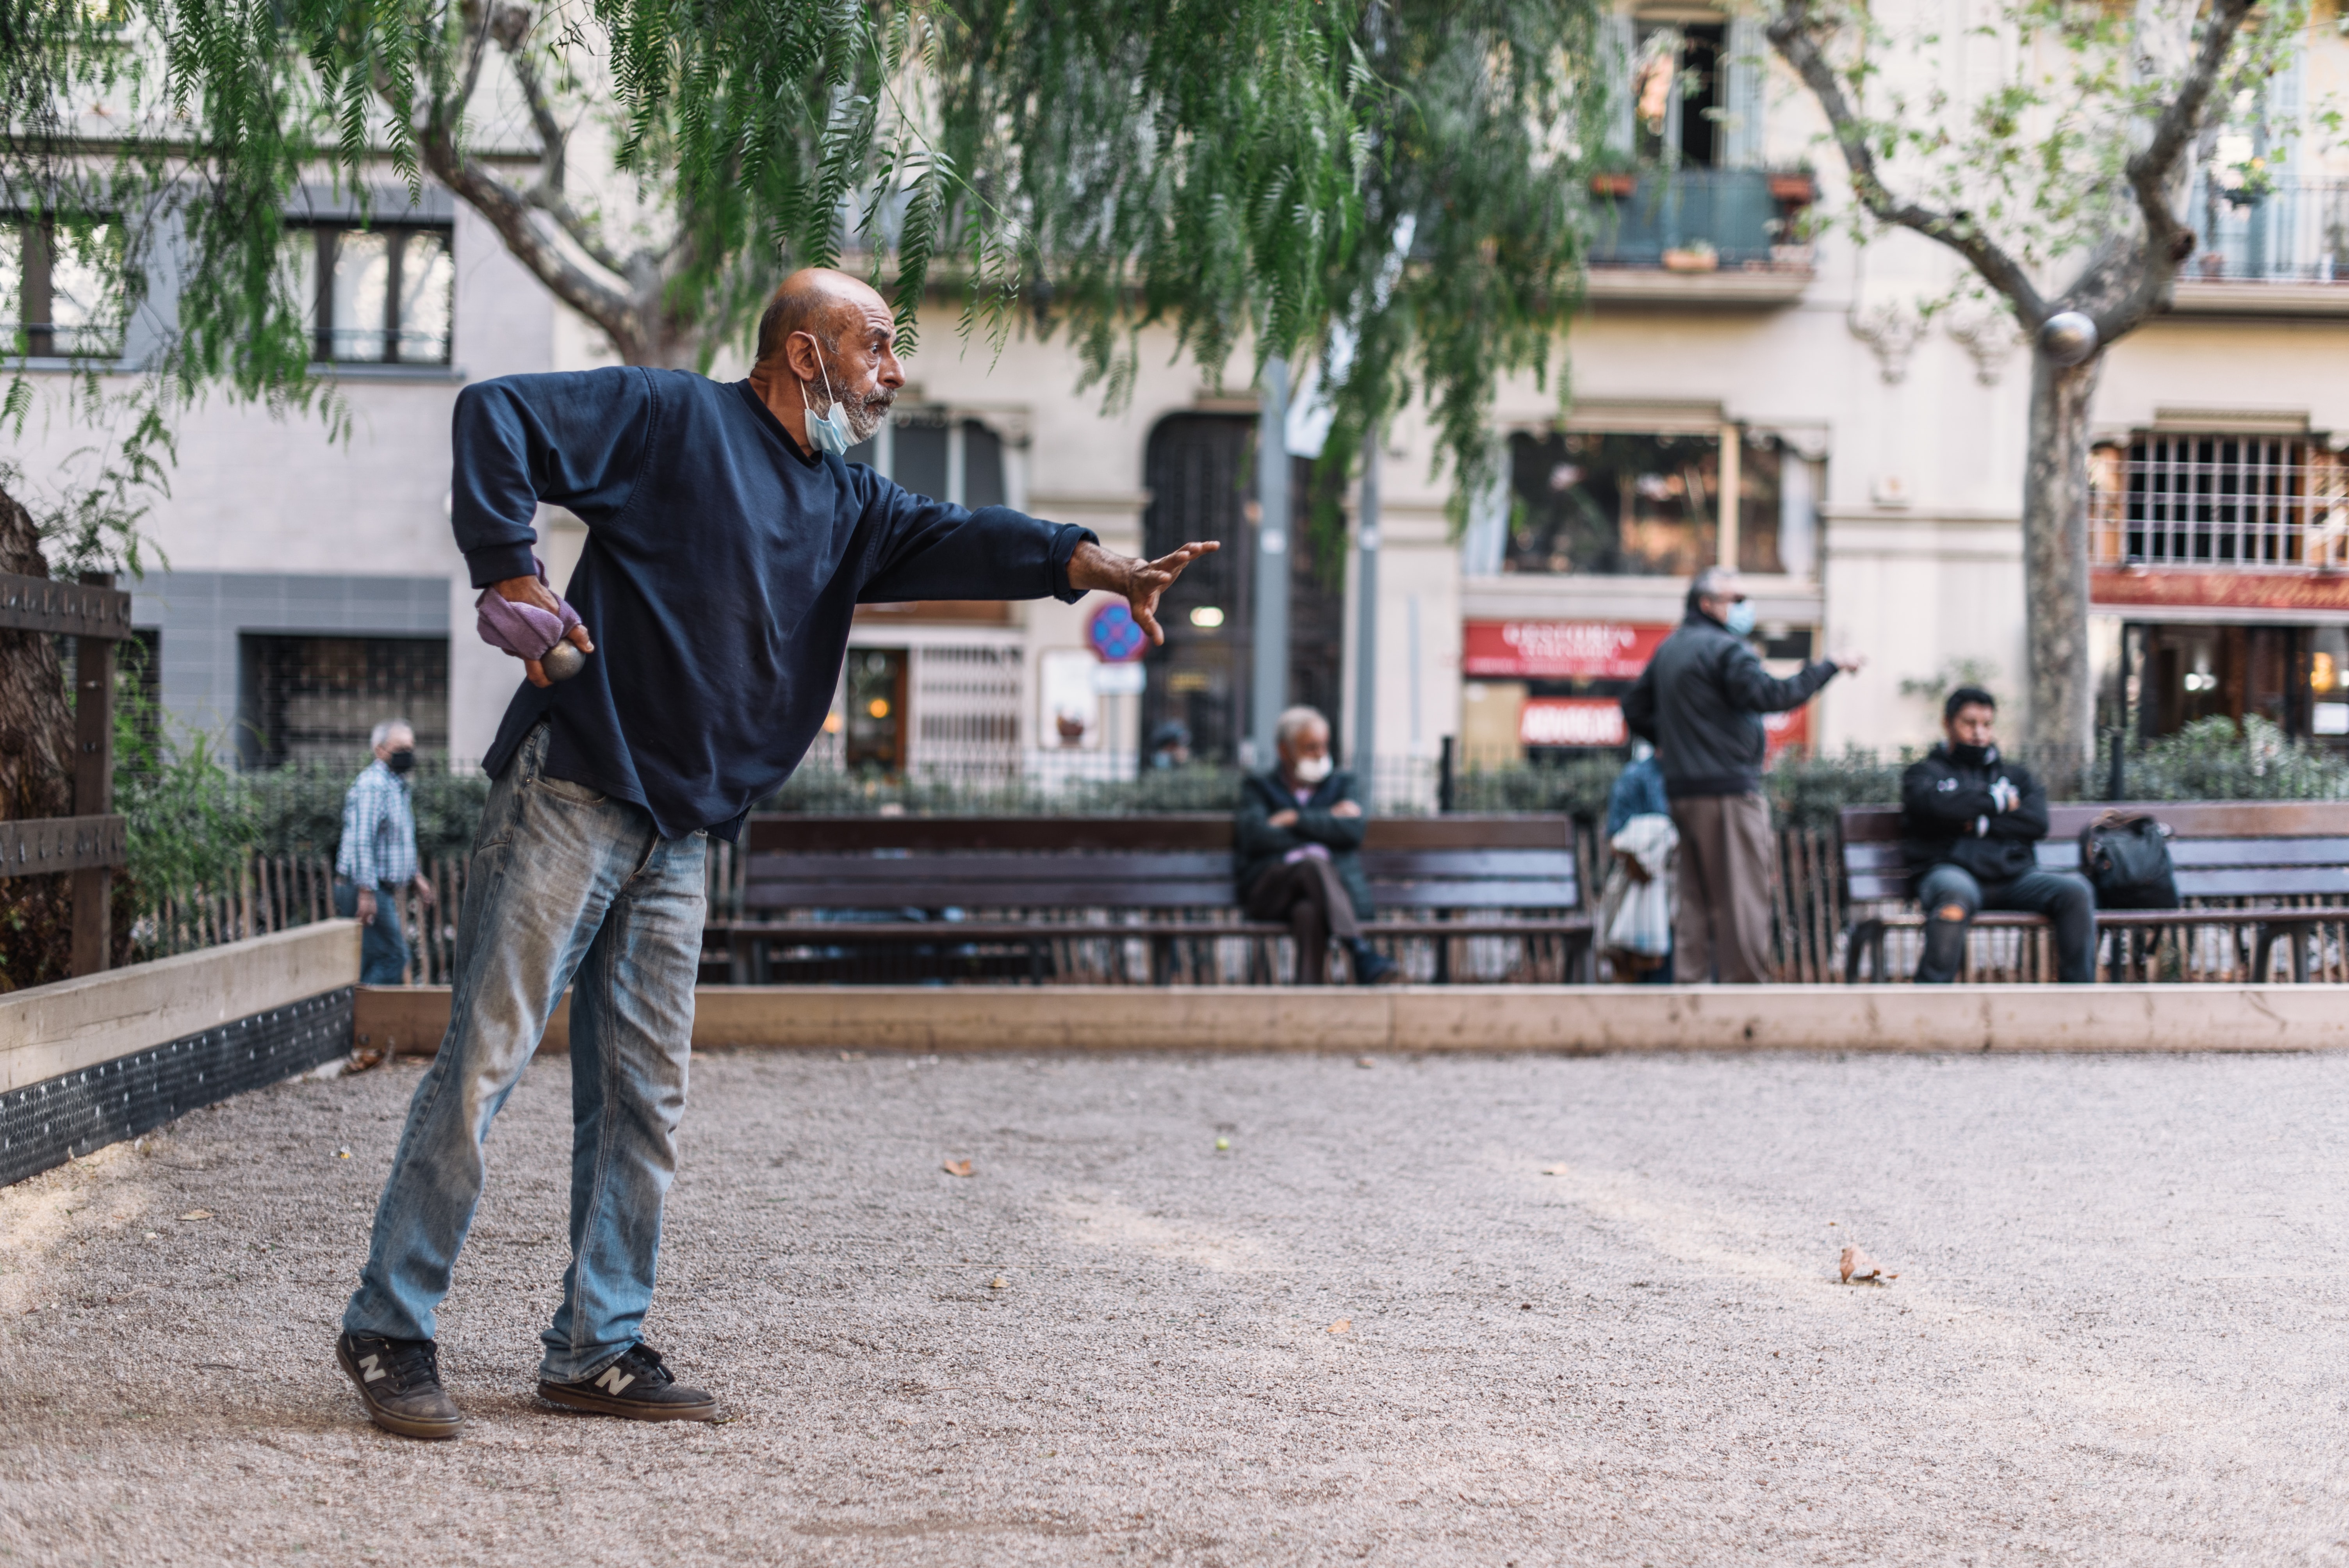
pixel 832 898
pixel 2253 853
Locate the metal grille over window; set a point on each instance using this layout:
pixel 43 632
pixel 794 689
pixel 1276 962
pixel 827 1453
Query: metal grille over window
pixel 316 698
pixel 2244 502
pixel 967 709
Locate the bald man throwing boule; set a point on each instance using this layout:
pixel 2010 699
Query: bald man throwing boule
pixel 728 544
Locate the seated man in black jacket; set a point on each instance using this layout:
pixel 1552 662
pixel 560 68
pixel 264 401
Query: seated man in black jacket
pixel 1297 852
pixel 1971 818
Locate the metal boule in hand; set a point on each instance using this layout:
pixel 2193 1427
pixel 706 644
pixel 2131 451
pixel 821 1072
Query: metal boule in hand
pixel 562 661
pixel 2068 338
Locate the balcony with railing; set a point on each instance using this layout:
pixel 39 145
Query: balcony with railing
pixel 2264 247
pixel 2218 502
pixel 1723 234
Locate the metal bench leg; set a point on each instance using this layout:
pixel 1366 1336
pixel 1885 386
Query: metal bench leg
pixel 1863 943
pixel 738 959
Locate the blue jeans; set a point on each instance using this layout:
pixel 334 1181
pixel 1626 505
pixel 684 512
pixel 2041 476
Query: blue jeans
pixel 383 950
pixel 565 888
pixel 2066 899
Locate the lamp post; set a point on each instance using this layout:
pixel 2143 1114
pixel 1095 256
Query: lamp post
pixel 1269 638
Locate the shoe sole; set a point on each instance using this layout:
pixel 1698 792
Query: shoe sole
pixel 596 1404
pixel 399 1425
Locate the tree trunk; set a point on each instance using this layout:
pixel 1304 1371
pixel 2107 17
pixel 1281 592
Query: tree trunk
pixel 35 772
pixel 2059 733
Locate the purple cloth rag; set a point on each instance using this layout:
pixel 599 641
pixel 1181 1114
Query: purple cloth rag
pixel 525 631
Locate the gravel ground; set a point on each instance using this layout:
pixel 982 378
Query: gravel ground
pixel 1372 1329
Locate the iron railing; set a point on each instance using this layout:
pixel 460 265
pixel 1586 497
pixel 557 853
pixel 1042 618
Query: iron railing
pixel 2295 231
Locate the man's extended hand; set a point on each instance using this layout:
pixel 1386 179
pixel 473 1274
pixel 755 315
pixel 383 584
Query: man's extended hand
pixel 1849 662
pixel 530 590
pixel 1139 581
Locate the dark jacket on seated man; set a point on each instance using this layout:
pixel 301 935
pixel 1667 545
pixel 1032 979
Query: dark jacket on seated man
pixel 1971 820
pixel 1257 846
pixel 1948 818
pixel 1297 852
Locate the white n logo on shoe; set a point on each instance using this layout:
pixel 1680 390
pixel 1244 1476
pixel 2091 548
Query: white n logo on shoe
pixel 367 1364
pixel 614 1380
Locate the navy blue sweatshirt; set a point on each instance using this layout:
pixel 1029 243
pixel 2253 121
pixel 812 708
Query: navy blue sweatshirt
pixel 721 570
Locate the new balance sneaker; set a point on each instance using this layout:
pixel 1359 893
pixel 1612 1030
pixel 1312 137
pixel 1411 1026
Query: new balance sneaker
pixel 398 1381
pixel 637 1386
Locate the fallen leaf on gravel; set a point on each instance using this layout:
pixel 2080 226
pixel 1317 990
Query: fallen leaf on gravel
pixel 342 1154
pixel 1343 1325
pixel 197 1214
pixel 1558 1169
pixel 1858 1265
pixel 957 1167
pixel 998 1283
pixel 1364 1062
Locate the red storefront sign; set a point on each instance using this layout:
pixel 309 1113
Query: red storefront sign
pixel 1558 650
pixel 2159 588
pixel 1571 721
pixel 1780 730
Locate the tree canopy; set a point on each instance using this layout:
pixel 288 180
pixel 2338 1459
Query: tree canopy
pixel 1390 185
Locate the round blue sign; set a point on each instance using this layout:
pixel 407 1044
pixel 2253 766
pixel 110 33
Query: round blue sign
pixel 1114 634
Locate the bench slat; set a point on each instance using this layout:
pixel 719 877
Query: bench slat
pixel 1492 892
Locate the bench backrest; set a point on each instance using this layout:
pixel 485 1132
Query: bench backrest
pixel 1169 862
pixel 2222 848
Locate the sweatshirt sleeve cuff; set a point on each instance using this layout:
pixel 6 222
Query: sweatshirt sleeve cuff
pixel 496 563
pixel 1064 545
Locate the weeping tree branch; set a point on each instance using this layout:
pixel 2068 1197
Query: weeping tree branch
pixel 1794 32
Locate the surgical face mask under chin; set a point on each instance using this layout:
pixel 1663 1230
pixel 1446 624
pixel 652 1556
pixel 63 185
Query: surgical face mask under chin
pixel 1740 618
pixel 1312 769
pixel 826 432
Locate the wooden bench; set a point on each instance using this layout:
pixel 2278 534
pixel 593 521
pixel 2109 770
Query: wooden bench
pixel 2255 851
pixel 1003 898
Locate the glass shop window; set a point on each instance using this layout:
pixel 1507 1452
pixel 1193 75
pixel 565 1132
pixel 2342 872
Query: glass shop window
pixel 1611 504
pixel 376 295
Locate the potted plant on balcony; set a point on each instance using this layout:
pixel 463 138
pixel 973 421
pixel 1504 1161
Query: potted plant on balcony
pixel 1696 256
pixel 1614 179
pixel 1795 187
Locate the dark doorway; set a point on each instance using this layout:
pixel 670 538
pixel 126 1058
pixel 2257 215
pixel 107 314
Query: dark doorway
pixel 876 710
pixel 1200 470
pixel 2196 671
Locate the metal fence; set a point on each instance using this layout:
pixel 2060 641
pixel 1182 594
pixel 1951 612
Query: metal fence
pixel 1810 919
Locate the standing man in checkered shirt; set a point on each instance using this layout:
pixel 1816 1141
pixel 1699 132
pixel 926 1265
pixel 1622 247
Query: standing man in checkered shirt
pixel 379 854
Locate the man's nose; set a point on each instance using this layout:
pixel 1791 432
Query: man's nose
pixel 893 374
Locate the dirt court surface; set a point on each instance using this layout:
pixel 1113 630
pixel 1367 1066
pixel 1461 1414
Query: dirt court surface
pixel 1372 1329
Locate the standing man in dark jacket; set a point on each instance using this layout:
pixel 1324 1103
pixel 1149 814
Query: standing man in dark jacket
pixel 1700 701
pixel 1970 818
pixel 728 545
pixel 1297 852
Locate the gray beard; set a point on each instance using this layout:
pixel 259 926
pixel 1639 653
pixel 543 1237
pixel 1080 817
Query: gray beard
pixel 865 417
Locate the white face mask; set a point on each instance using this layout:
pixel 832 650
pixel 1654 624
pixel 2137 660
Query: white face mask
pixel 826 432
pixel 1312 769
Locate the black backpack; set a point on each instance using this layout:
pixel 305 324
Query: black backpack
pixel 2127 860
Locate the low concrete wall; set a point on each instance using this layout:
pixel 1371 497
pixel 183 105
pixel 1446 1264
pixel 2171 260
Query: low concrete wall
pixel 48 1031
pixel 88 1062
pixel 1470 1018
